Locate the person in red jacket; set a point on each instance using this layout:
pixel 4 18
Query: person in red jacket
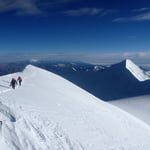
pixel 20 80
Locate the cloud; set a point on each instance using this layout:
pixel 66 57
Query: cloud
pixel 30 7
pixel 44 7
pixel 121 19
pixel 141 58
pixel 144 15
pixel 141 17
pixel 83 11
pixel 20 7
pixel 89 11
pixel 109 12
pixel 141 9
pixel 136 55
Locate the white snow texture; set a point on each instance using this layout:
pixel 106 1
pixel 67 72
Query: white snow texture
pixel 49 113
pixel 136 71
pixel 137 106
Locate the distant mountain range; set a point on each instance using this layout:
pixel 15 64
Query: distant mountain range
pixel 121 80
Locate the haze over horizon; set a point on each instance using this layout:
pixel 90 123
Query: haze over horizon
pixel 140 58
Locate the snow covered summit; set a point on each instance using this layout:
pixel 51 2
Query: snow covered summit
pixel 136 71
pixel 49 113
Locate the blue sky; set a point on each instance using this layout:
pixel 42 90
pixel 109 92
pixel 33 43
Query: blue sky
pixel 74 26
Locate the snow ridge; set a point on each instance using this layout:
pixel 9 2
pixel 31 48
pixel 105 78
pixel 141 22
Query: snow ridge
pixel 136 71
pixel 50 113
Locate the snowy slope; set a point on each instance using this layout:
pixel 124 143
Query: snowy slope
pixel 49 113
pixel 136 71
pixel 137 106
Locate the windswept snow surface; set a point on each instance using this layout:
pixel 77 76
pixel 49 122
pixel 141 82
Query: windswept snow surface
pixel 49 113
pixel 136 71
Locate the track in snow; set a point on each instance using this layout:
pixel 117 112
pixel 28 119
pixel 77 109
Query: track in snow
pixel 29 131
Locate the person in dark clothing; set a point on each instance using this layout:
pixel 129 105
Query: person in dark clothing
pixel 20 80
pixel 13 83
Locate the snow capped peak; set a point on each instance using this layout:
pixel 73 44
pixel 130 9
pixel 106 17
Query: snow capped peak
pixel 129 62
pixel 31 67
pixel 136 71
